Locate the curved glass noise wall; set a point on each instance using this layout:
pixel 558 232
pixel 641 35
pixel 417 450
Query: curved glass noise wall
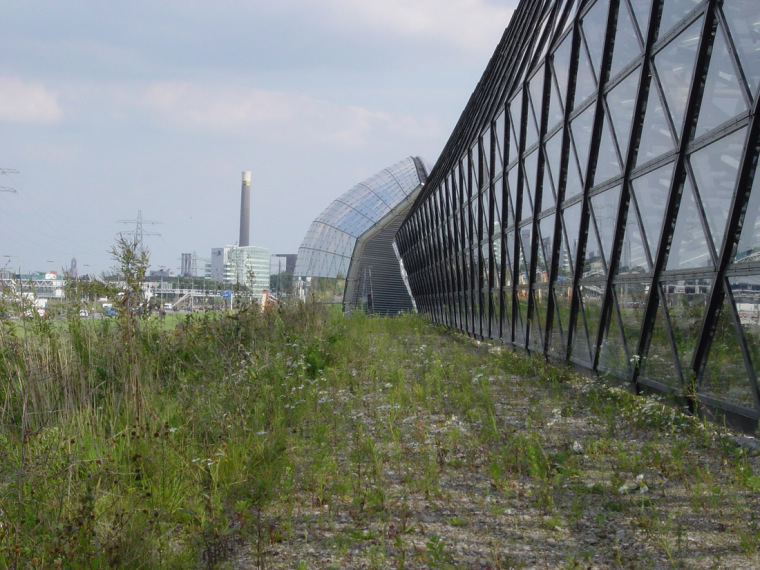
pixel 347 255
pixel 597 201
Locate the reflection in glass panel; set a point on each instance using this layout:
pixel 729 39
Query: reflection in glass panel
pixel 651 192
pixel 562 294
pixel 631 299
pixel 512 187
pixel 716 168
pixel 594 30
pixel 614 356
pixel 499 141
pixel 689 248
pixel 520 314
pixel 743 17
pixel 525 253
pixel 723 97
pixel 515 114
pixel 552 158
pixel 581 350
pixel 607 164
pixel 536 97
pixel 725 376
pixel 745 291
pixel 574 184
pixel 686 301
pixel 656 136
pixel 621 102
pixel 529 185
pixel 641 12
pixel 572 223
pixel 546 243
pixel 605 207
pixel 540 300
pixel 673 12
pixel 556 113
pixel 749 242
pixel 633 258
pixel 675 68
pixel 585 84
pixel 561 65
pixel 659 363
pixel 581 128
pixel 627 46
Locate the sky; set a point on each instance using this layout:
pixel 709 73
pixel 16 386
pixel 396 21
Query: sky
pixel 110 111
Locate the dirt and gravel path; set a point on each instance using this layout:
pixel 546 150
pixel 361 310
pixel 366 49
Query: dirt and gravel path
pixel 514 470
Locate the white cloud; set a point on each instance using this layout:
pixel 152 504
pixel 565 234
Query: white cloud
pixel 22 102
pixel 470 24
pixel 276 115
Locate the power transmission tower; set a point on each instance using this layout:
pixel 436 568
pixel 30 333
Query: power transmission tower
pixel 5 172
pixel 138 233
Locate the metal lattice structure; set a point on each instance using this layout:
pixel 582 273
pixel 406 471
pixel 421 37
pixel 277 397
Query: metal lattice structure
pixel 349 247
pixel 597 201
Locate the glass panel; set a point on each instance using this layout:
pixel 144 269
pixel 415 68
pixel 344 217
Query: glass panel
pixel 749 243
pixel 656 136
pixel 522 305
pixel 556 113
pixel 621 102
pixel 746 294
pixel 499 148
pixel 512 186
pixel 673 12
pixel 572 223
pixel 686 302
pixel 675 68
pixel 537 321
pixel 515 113
pixel 613 354
pixel 581 129
pixel 594 29
pixel 485 158
pixel 726 377
pixel 580 349
pixel 537 95
pixel 593 263
pixel 552 158
pixel 525 253
pixel 607 164
pixel 641 12
pixel 546 237
pixel 632 299
pixel 716 168
pixel 584 80
pixel 498 189
pixel 723 98
pixel 659 363
pixel 605 206
pixel 561 64
pixel 562 296
pixel 529 184
pixel 627 46
pixel 633 258
pixel 651 190
pixel 574 185
pixel 689 248
pixel 743 17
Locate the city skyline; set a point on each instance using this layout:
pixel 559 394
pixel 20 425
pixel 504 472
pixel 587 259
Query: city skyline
pixel 109 112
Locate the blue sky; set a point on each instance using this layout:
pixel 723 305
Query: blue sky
pixel 110 108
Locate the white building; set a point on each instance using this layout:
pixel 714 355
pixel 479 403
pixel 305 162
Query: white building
pixel 241 266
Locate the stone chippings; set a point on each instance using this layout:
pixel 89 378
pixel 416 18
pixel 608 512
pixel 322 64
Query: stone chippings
pixel 602 516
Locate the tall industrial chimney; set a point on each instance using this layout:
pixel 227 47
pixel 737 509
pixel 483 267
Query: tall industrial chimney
pixel 245 209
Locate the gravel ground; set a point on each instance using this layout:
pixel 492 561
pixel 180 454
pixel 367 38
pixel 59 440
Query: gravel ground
pixel 614 492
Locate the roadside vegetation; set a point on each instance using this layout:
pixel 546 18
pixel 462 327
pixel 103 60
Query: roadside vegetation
pixel 301 438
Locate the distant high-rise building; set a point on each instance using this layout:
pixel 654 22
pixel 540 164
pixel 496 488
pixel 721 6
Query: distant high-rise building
pixel 187 265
